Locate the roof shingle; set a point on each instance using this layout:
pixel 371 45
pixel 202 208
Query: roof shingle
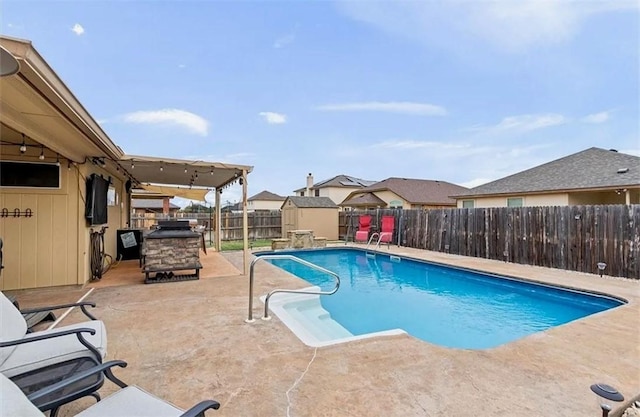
pixel 416 191
pixel 311 202
pixel 589 169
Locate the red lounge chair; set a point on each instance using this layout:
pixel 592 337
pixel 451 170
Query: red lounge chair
pixel 386 229
pixel 362 235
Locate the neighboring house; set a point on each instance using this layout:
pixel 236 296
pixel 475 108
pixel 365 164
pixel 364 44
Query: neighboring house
pixel 232 208
pixel 319 214
pixel 265 200
pixel 336 188
pixel 406 193
pixel 142 206
pixel 592 176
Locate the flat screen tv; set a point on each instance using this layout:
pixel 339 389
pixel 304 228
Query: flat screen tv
pixel 96 200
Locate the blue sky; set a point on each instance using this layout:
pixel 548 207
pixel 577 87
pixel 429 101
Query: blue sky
pixel 465 92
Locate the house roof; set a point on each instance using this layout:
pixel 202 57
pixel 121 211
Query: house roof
pixel 341 181
pixel 150 203
pixel 417 191
pixel 266 196
pixel 593 168
pixel 311 202
pixel 363 200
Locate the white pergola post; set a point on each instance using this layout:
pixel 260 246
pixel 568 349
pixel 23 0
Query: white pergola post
pixel 245 226
pixel 218 220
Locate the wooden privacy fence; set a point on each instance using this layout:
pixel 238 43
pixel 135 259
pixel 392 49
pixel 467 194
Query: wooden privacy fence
pixel 261 224
pixel 569 237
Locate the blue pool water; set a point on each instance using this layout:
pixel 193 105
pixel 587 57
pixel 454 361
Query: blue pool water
pixel 443 305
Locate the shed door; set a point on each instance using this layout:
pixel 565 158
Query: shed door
pixel 289 213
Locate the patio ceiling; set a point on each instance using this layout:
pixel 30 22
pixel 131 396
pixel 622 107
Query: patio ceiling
pixel 154 170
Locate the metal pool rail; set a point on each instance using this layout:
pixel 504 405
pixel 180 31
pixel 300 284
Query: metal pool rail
pixel 291 258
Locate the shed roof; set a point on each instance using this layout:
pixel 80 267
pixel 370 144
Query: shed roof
pixel 266 196
pixel 311 202
pixel 417 191
pixel 593 168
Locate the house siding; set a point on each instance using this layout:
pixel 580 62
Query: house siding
pixel 52 247
pixel 560 199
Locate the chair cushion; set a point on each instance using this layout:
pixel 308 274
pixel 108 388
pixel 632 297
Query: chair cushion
pixel 13 402
pixel 362 236
pixel 34 355
pixel 131 401
pixel 12 326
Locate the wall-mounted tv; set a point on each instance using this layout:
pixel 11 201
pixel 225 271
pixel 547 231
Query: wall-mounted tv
pixel 96 200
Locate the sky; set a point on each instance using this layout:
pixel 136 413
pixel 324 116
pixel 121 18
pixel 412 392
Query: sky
pixel 459 91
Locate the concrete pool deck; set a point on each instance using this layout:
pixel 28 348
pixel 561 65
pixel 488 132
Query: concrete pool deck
pixel 188 341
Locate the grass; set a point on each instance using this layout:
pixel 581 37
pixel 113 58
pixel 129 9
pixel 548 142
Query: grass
pixel 237 244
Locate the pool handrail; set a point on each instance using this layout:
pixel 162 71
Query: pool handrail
pixel 291 258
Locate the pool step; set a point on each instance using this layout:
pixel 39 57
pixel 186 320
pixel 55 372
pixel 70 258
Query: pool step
pixel 315 320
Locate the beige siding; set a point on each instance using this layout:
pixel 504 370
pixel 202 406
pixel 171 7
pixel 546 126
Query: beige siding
pixel 323 221
pixel 264 205
pixel 603 197
pixel 52 247
pixel 336 194
pixel 560 199
pixel 40 251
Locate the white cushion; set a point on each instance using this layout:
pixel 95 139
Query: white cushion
pixel 34 355
pixel 13 402
pixel 12 326
pixel 131 402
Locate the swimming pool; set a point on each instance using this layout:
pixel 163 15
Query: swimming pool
pixel 444 305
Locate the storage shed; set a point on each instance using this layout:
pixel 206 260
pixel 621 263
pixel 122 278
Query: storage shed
pixel 319 214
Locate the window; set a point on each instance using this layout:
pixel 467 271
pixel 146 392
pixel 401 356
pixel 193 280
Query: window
pixel 468 203
pixel 317 193
pixel 301 193
pixel 29 175
pixel 395 204
pixel 515 202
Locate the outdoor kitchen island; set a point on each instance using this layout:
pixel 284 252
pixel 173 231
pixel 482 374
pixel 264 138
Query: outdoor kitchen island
pixel 171 248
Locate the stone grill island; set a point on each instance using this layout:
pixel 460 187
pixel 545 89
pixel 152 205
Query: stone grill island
pixel 170 248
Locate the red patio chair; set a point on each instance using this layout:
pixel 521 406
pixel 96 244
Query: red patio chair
pixel 362 235
pixel 386 229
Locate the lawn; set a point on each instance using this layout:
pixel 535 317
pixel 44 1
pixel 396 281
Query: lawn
pixel 237 244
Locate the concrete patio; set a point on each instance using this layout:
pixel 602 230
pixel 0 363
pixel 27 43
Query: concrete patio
pixel 188 341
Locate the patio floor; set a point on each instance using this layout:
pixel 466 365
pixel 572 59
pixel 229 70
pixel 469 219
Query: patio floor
pixel 188 341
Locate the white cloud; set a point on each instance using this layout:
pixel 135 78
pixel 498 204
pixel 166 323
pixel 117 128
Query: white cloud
pixel 182 66
pixel 194 123
pixel 273 118
pixel 600 117
pixel 77 29
pixel 512 25
pixel 523 123
pixel 475 182
pixel 405 107
pixel 285 40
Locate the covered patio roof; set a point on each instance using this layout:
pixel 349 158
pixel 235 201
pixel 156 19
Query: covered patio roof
pixel 156 170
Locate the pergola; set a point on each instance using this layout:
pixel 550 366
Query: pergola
pixel 191 179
